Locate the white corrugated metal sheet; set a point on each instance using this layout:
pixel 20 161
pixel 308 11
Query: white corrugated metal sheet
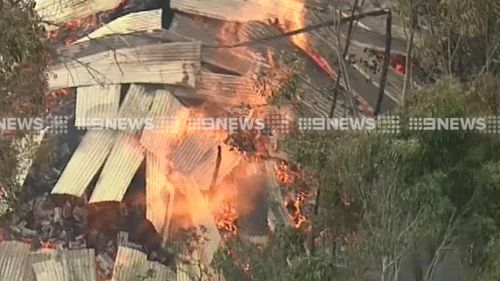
pixel 130 23
pixel 62 11
pixel 15 261
pixel 81 264
pixel 196 149
pixel 132 265
pixel 136 102
pixel 96 102
pixel 169 119
pixel 85 163
pixel 50 270
pixel 122 164
pixel 68 265
pixel 159 195
pixel 204 173
pixel 169 63
pixel 196 158
pixel 127 153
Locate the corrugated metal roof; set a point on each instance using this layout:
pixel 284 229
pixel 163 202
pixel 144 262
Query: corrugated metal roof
pixel 132 265
pixel 159 195
pixel 204 173
pixel 122 164
pixel 136 102
pixel 81 264
pixel 61 11
pixel 229 88
pixel 169 63
pixel 129 264
pixel 50 270
pixel 96 102
pixel 241 60
pixel 134 22
pixel 169 115
pixel 196 157
pixel 196 149
pixel 68 265
pixel 15 261
pixel 159 272
pixel 240 10
pixel 187 272
pixel 85 163
pixel 200 214
pixel 127 153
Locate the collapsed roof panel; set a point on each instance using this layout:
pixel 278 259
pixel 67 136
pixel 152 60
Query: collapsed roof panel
pixel 15 262
pixel 50 270
pixel 81 264
pixel 121 166
pixel 159 194
pixel 196 149
pixel 132 265
pixel 62 11
pixel 239 10
pixel 200 214
pixel 204 173
pixel 169 119
pixel 136 102
pixel 242 61
pixel 130 23
pixel 229 89
pixel 96 102
pixel 67 265
pixel 85 163
pixel 174 63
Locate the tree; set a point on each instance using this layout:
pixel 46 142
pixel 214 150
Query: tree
pixel 389 195
pixel 23 60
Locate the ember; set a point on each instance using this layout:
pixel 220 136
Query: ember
pixel 77 25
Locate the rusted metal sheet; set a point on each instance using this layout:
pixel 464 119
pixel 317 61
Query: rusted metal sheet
pixel 85 163
pixel 15 261
pixel 96 102
pixel 130 23
pixel 171 63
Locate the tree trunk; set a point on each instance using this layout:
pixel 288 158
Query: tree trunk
pixel 408 66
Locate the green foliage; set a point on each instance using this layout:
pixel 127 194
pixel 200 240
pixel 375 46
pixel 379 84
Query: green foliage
pixel 402 191
pixel 458 37
pixel 282 258
pixel 23 58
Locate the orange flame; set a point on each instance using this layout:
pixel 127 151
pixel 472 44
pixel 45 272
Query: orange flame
pixel 49 245
pixel 294 205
